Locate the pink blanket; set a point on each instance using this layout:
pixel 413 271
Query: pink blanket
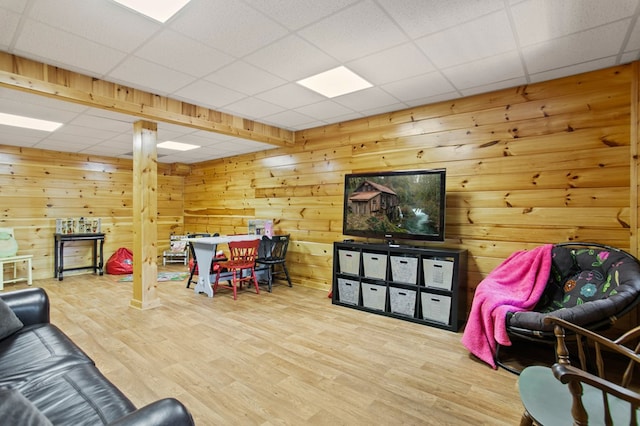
pixel 515 285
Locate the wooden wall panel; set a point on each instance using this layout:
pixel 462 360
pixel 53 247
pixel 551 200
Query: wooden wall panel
pixel 546 162
pixel 38 186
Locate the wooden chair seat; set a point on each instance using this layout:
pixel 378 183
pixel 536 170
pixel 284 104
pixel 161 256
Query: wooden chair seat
pixel 549 401
pixel 599 391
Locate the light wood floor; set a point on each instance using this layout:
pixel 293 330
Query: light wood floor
pixel 285 358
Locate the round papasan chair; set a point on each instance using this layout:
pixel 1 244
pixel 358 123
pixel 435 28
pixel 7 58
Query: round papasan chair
pixel 590 285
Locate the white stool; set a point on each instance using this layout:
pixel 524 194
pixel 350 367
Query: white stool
pixel 15 259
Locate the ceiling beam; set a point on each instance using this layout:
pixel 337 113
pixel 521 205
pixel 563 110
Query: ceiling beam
pixel 47 80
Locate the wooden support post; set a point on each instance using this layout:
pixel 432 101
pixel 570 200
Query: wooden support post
pixel 145 213
pixel 634 181
pixel 633 157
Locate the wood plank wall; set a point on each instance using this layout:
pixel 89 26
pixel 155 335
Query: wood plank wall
pixel 547 162
pixel 535 164
pixel 38 186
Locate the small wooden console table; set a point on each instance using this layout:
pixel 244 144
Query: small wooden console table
pixel 60 239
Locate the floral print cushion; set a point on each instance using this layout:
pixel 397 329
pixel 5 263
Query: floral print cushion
pixel 585 285
pixel 581 275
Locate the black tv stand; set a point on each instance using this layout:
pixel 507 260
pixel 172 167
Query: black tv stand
pixel 417 284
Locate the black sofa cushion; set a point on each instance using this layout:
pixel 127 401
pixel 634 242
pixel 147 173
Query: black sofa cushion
pixel 36 351
pixel 79 395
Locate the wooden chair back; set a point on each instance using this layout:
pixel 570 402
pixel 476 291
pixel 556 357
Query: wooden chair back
pixel 605 364
pixel 243 254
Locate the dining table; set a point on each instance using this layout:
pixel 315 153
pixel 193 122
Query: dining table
pixel 205 249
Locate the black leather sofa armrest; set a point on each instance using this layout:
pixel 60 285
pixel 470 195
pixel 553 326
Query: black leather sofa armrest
pixel 165 412
pixel 31 305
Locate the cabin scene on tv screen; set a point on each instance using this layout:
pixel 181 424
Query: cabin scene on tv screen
pixel 393 204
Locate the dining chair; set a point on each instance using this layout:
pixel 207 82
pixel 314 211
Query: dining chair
pixel 241 265
pixel 271 257
pixel 592 384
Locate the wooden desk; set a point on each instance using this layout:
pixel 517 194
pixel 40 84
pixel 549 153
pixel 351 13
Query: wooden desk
pixel 58 250
pixel 205 248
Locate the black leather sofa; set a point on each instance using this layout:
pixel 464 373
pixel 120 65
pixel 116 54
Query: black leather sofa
pixel 46 379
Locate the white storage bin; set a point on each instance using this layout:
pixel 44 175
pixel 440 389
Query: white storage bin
pixel 436 307
pixel 375 265
pixel 404 269
pixel 438 273
pixel 402 301
pixel 374 296
pixel 348 291
pixel 349 262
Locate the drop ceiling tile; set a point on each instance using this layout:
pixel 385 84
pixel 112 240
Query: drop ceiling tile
pixel 486 36
pixel 382 67
pixel 537 21
pixel 121 140
pixel 86 19
pixel 72 142
pixel 634 55
pixel 51 45
pixel 84 132
pixel 20 139
pixel 178 52
pixel 325 110
pixel 421 86
pixel 292 58
pixel 497 68
pixel 505 84
pixel 230 26
pixel 149 76
pixel 10 133
pixel 634 39
pixel 366 99
pixel 433 99
pixel 383 109
pixel 573 69
pixel 253 108
pixel 289 119
pixel 354 32
pixel 343 117
pixel 100 123
pixel 10 106
pixel 290 96
pixel 207 94
pixel 576 48
pixel 216 150
pixel 420 17
pixel 14 5
pixel 245 78
pixel 299 13
pixel 8 25
pixel 106 151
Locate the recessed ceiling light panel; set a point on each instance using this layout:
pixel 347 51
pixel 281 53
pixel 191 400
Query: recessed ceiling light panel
pixel 160 10
pixel 335 82
pixel 28 123
pixel 177 146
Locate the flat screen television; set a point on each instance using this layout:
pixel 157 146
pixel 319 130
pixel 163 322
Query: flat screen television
pixel 392 205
